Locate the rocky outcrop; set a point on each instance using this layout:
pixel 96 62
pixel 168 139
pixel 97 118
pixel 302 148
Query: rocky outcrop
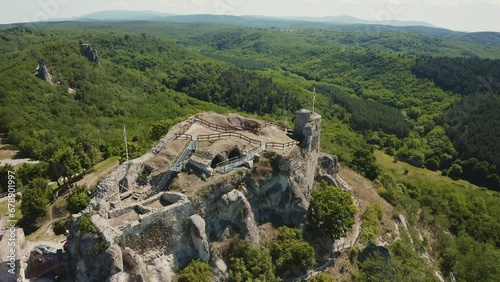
pixel 42 72
pixel 328 163
pixel 133 265
pixel 161 270
pixel 167 236
pixel 328 167
pixel 235 209
pixel 115 259
pixel 199 237
pixel 90 54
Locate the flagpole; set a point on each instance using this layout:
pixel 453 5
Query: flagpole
pixel 314 99
pixel 125 139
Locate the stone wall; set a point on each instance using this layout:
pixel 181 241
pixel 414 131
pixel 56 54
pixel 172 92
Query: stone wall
pixel 163 232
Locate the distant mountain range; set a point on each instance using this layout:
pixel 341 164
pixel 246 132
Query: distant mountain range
pixel 332 22
pixel 119 15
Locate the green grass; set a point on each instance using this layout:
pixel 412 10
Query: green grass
pixel 102 166
pixel 398 170
pixel 98 171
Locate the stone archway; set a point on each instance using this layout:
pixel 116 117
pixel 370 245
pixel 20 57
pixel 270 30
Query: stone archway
pixel 235 153
pixel 217 159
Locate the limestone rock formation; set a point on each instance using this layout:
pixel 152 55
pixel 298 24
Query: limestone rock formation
pixel 91 54
pixel 235 209
pixel 133 264
pixel 328 167
pixel 199 237
pixel 115 259
pixel 42 72
pixel 330 164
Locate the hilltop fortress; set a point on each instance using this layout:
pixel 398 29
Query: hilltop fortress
pixel 211 177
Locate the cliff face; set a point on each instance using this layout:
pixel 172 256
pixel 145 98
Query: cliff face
pixel 42 72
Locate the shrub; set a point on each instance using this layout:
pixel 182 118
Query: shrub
pixel 323 277
pixel 371 222
pixel 455 171
pixel 78 200
pixel 291 252
pixel 196 271
pixel 249 262
pixel 85 225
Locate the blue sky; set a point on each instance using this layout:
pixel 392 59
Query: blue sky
pixel 464 15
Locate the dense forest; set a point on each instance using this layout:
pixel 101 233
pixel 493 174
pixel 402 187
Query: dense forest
pixel 460 75
pixel 375 91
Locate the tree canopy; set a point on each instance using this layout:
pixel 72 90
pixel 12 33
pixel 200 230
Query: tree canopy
pixel 35 199
pixel 332 211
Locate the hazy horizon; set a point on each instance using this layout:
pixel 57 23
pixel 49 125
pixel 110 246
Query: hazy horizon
pixel 460 15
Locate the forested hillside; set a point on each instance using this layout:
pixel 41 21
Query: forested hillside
pixel 395 92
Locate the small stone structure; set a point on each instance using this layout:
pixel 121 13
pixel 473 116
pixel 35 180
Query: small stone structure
pixel 308 127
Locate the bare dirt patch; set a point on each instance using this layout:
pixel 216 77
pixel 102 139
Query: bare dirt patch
pixel 162 161
pixel 120 220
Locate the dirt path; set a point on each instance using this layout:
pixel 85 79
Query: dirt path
pixel 15 162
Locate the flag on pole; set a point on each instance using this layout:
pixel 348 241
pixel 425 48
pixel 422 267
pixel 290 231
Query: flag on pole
pixel 125 139
pixel 314 99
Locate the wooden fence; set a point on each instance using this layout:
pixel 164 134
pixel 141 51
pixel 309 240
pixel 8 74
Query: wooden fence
pixel 220 128
pixel 218 136
pixel 183 136
pixel 268 123
pixel 216 127
pixel 281 146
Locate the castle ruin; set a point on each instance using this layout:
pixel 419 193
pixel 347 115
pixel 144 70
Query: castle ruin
pixel 211 177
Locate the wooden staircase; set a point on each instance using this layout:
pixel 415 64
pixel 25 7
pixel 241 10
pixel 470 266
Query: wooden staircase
pixel 176 167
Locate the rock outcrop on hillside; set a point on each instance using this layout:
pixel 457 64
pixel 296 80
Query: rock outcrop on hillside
pixel 91 54
pixel 42 72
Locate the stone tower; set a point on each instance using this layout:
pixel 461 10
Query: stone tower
pixel 308 127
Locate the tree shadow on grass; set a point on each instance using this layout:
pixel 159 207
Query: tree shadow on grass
pixel 28 225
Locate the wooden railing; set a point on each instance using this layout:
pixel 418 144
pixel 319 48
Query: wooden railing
pixel 218 136
pixel 233 163
pixel 268 123
pixel 221 128
pixel 216 127
pixel 281 146
pixel 183 136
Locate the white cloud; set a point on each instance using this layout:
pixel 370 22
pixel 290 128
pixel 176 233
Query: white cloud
pixel 122 5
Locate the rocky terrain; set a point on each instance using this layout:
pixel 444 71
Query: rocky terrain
pixel 152 238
